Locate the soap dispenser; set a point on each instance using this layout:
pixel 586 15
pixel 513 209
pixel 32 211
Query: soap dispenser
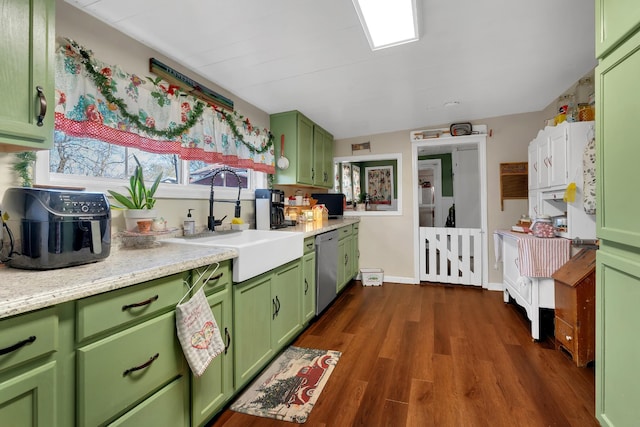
pixel 189 224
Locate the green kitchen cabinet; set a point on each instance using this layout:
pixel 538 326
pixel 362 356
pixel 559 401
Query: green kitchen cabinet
pixel 355 250
pixel 27 37
pixel 309 279
pixel 345 256
pixel 253 311
pixel 615 21
pixel 211 391
pixel 138 324
pixel 322 158
pixel 267 315
pixel 308 147
pixel 618 259
pixel 28 369
pixel 286 291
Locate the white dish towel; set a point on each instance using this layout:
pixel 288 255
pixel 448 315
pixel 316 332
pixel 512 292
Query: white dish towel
pixel 198 332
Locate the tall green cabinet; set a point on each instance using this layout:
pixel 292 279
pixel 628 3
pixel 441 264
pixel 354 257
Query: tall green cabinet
pixel 27 36
pixel 618 228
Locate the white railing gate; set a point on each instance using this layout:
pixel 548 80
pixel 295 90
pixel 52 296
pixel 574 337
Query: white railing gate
pixel 451 255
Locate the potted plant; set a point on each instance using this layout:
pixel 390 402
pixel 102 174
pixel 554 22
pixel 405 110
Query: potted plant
pixel 361 205
pixel 139 204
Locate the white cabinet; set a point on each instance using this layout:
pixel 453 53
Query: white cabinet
pixel 555 161
pixel 531 293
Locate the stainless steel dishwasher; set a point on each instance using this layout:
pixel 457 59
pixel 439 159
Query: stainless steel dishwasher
pixel 326 269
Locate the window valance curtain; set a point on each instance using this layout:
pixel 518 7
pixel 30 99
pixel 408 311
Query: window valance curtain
pixel 99 101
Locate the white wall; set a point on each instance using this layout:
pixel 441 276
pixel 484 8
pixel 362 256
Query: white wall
pixel 387 242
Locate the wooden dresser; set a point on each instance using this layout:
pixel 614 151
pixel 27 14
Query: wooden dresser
pixel 575 288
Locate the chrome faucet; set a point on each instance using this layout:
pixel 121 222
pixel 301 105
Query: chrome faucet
pixel 211 221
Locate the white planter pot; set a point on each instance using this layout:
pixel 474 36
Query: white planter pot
pixel 132 216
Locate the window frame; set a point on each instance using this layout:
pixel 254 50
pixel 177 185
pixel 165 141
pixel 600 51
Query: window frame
pixel 178 191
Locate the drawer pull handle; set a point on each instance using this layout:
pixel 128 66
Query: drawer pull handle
pixel 144 365
pixel 140 304
pixel 227 337
pixel 17 345
pixel 43 105
pixel 568 337
pixel 216 277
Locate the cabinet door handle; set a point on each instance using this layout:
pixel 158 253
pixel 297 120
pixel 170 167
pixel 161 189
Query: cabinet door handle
pixel 313 174
pixel 140 304
pixel 214 278
pixel 277 305
pixel 346 259
pixel 144 365
pixel 227 335
pixel 550 165
pixel 535 166
pixel 306 286
pixel 17 345
pixel 43 105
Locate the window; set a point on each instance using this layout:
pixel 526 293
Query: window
pixel 98 166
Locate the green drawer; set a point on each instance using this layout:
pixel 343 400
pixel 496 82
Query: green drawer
pixel 356 228
pixel 215 282
pixel 28 336
pixel 108 383
pixel 167 407
pixel 129 305
pixel 309 245
pixel 344 232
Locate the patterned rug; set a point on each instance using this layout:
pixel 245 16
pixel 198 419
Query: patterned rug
pixel 290 386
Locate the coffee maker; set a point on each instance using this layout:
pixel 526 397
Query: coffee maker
pixel 269 209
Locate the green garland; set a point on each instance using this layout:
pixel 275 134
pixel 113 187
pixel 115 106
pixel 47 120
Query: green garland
pixel 102 83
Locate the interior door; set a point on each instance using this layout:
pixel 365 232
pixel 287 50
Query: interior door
pixel 466 188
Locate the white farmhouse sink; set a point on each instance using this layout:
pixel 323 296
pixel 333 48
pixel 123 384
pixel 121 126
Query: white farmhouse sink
pixel 258 250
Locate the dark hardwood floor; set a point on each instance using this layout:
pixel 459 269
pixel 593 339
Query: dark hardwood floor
pixel 436 355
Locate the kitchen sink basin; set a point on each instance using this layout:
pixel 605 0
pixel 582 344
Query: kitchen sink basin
pixel 258 250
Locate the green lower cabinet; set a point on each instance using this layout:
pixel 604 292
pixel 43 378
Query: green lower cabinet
pixel 345 264
pixel 148 357
pixel 309 289
pixel 355 251
pixel 214 388
pixel 266 316
pixel 29 399
pixel 252 316
pixel 617 379
pixel 167 407
pixel 286 291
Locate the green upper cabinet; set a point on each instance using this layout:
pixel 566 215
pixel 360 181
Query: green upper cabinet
pixel 616 115
pixel 322 158
pixel 615 21
pixel 27 37
pixel 308 148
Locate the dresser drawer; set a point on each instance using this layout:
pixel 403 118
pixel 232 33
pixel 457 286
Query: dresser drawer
pixel 565 334
pixel 117 372
pixel 125 306
pixel 212 281
pixel 28 336
pixel 167 407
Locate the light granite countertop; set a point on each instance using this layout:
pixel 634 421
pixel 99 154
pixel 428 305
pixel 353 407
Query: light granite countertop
pixel 27 290
pixel 22 291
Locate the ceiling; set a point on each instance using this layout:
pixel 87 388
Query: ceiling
pixel 493 57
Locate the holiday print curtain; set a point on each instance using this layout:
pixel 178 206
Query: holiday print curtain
pixel 100 101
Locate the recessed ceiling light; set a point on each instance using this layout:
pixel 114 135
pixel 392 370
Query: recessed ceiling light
pixel 388 23
pixel 451 104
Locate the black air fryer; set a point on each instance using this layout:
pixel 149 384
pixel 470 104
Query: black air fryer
pixel 55 229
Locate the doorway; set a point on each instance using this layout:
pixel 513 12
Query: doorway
pixel 460 254
pixel 430 193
